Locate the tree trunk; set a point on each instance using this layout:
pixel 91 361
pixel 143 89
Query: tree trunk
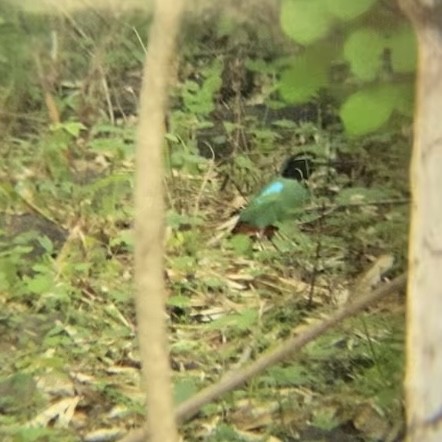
pixel 424 322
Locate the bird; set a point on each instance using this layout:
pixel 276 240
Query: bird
pixel 281 199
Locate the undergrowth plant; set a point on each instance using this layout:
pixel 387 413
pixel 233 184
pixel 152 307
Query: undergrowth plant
pixel 66 226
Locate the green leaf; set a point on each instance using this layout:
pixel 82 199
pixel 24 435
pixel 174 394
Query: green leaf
pixel 46 243
pixel 17 392
pixel 184 389
pixel 403 50
pixel 124 237
pixel 325 419
pixel 244 162
pixel 348 9
pixel 225 26
pixel 305 21
pixel 239 321
pixel 180 301
pixel 177 220
pixel 199 99
pixel 241 244
pixel 303 79
pixel 367 110
pixel 363 50
pixel 40 284
pixel 71 127
pixel 172 138
pixel 260 66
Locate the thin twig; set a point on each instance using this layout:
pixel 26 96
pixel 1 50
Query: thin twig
pixel 149 222
pixel 107 94
pixel 320 225
pixel 140 40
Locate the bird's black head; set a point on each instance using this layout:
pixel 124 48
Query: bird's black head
pixel 298 167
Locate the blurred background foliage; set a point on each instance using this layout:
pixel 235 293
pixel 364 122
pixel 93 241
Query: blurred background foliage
pixel 254 85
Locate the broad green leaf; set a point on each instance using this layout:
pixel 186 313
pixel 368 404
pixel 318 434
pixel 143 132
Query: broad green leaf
pixel 349 9
pixel 363 50
pixel 303 79
pixel 367 110
pixel 305 21
pixel 403 50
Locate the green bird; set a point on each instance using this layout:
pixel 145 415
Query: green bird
pixel 281 199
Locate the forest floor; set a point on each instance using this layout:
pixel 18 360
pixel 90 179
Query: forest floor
pixel 69 364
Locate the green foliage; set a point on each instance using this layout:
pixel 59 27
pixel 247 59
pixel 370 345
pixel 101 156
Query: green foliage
pixel 11 261
pixel 18 392
pixel 305 20
pixel 376 55
pixel 244 321
pixel 370 109
pixel 230 299
pixel 42 435
pixel 303 79
pixel 363 50
pixel 125 239
pixel 289 376
pixel 241 244
pixel 362 195
pixel 198 96
pixel 403 49
pixel 184 388
pixel 348 9
pixel 16 60
pixel 113 141
pixel 224 432
pixel 179 301
pixel 325 419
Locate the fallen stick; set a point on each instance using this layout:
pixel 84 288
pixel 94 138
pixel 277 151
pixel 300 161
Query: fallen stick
pixel 234 379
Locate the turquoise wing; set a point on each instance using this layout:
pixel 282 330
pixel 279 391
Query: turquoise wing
pixel 277 201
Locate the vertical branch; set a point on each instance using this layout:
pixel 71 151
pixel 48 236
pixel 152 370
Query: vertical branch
pixel 424 326
pixel 149 222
